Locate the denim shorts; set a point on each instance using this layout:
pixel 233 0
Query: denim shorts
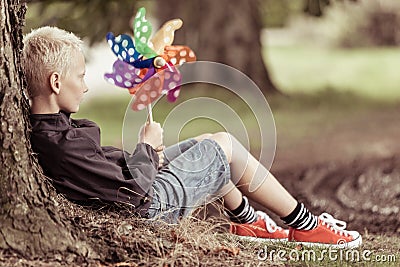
pixel 192 175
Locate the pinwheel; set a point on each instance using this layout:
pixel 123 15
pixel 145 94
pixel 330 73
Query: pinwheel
pixel 148 67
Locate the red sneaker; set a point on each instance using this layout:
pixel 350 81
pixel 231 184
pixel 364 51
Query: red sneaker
pixel 264 229
pixel 329 233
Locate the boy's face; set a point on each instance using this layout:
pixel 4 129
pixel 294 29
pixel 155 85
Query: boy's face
pixel 72 84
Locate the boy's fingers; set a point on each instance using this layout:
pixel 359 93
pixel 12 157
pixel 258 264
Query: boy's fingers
pixel 160 148
pixel 160 152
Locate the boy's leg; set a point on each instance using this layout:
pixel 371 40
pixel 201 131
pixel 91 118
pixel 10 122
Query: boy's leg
pixel 174 151
pixel 244 169
pixel 247 222
pixel 305 227
pixel 193 177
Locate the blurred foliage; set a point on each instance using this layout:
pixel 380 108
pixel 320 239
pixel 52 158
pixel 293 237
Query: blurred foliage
pixel 94 18
pixel 317 7
pixel 89 18
pixel 367 24
pixel 345 23
pixel 276 13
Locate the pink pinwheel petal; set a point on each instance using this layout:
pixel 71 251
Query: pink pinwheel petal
pixel 148 92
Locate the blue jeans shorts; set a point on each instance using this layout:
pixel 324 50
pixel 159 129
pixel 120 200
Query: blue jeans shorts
pixel 192 175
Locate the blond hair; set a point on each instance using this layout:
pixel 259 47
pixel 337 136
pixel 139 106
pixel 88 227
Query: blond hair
pixel 47 50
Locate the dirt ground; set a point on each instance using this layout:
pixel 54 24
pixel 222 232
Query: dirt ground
pixel 351 171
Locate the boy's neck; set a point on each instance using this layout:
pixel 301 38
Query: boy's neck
pixel 43 106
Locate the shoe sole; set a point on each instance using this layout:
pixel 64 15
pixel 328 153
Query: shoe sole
pixel 349 245
pixel 260 239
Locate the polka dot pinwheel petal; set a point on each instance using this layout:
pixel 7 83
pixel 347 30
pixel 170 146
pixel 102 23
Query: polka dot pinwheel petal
pixel 148 92
pixel 125 75
pixel 166 81
pixel 142 32
pixel 123 47
pixel 165 36
pixel 179 54
pixel 147 67
pixel 172 82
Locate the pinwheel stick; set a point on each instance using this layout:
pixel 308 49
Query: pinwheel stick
pixel 150 113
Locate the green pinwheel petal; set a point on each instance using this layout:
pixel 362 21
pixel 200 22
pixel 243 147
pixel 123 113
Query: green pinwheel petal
pixel 142 32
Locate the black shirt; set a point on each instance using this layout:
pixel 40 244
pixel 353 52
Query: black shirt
pixel 70 154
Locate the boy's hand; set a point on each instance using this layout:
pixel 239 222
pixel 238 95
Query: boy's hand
pixel 152 134
pixel 160 152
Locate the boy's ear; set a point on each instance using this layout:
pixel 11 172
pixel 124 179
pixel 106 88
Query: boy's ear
pixel 55 82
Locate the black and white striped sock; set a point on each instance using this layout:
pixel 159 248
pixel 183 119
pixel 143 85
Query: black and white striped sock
pixel 244 213
pixel 301 218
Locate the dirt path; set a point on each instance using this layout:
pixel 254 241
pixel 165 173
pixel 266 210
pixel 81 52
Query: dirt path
pixel 351 171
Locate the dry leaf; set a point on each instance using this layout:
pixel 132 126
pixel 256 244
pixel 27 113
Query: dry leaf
pixel 176 238
pixel 234 251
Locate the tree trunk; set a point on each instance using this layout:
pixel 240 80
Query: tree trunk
pixel 30 223
pixel 223 31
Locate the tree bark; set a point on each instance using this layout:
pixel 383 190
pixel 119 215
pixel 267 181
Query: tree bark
pixel 223 31
pixel 30 223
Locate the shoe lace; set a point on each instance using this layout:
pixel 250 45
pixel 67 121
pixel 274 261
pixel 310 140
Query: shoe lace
pixel 333 224
pixel 270 224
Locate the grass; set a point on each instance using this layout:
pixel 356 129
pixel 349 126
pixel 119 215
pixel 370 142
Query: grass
pixel 120 239
pixel 368 72
pixel 286 253
pixel 295 117
pixel 324 85
pixel 202 241
pixel 108 113
pixel 325 88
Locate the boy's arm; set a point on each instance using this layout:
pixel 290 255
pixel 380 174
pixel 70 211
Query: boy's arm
pixel 143 161
pixel 86 173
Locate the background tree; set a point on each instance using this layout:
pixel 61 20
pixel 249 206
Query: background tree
pixel 90 19
pixel 29 221
pixel 222 31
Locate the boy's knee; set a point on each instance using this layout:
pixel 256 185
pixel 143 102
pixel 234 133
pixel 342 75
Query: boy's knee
pixel 225 141
pixel 203 136
pixel 225 137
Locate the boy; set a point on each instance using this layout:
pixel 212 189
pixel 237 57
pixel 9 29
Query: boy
pixel 165 185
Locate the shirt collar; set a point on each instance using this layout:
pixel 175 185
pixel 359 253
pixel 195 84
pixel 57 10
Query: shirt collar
pixel 55 122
